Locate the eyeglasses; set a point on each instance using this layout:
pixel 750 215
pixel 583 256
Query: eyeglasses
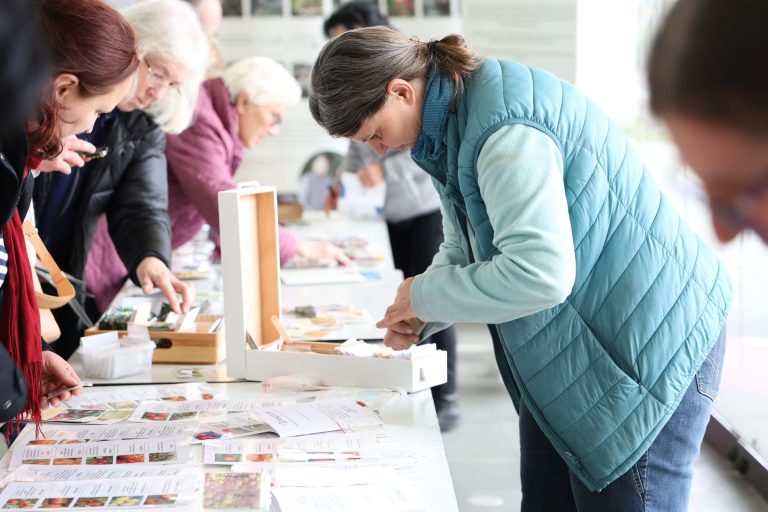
pixel 158 80
pixel 276 119
pixel 739 213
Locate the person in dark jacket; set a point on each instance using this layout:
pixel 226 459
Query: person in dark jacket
pixel 58 96
pixel 108 219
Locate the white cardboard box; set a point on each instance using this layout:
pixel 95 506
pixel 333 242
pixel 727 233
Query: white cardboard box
pixel 251 270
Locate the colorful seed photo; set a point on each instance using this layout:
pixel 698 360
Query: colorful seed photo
pixel 67 461
pixel 99 461
pixel 178 416
pixel 125 501
pixel 233 490
pixel 228 457
pixel 155 416
pixel 162 457
pixel 161 499
pixel 205 436
pixel 134 458
pixel 91 501
pixel 20 503
pixel 56 502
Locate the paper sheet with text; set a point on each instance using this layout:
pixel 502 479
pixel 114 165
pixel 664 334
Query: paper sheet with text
pixel 137 451
pixel 317 417
pixel 140 492
pixel 130 398
pixel 360 446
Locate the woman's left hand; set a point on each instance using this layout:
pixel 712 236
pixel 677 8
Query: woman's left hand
pixel 322 249
pixel 152 272
pixel 57 374
pixel 399 333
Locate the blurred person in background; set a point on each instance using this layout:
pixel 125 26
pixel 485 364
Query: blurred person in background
pixel 235 111
pixel 709 83
pixel 411 209
pixel 210 14
pixel 67 63
pixel 105 220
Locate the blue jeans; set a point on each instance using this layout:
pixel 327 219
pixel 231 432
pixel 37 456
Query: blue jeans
pixel 659 481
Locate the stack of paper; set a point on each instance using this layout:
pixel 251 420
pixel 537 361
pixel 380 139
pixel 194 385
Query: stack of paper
pixel 321 450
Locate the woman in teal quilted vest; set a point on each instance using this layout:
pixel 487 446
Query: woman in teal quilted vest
pixel 712 93
pixel 605 309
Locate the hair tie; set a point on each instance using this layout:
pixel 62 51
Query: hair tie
pixel 432 47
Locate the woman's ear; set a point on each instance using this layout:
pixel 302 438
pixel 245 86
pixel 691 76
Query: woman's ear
pixel 65 84
pixel 401 89
pixel 241 101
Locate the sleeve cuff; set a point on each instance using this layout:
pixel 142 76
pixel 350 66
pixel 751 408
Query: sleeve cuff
pixel 141 258
pixel 417 299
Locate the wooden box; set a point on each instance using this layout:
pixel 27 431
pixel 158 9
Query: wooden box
pixel 188 347
pixel 251 271
pixel 289 211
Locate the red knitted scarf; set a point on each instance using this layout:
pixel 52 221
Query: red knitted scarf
pixel 20 322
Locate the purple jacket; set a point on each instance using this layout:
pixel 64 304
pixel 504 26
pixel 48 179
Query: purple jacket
pixel 202 161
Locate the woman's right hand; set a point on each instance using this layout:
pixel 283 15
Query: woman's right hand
pixel 69 156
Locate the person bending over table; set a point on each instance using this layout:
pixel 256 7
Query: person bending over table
pixel 411 209
pixel 235 111
pixel 606 311
pixel 91 59
pixel 107 219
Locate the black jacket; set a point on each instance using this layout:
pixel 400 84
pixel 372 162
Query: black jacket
pixel 130 186
pixel 14 192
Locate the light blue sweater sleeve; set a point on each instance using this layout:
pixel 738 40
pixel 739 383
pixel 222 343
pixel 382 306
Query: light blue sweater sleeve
pixel 520 175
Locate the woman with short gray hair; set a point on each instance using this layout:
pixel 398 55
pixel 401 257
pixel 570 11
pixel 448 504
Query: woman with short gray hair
pixel 235 111
pixel 606 311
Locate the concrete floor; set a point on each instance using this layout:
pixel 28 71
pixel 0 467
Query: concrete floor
pixel 483 453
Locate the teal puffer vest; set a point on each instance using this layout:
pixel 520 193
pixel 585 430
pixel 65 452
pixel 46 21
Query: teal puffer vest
pixel 603 371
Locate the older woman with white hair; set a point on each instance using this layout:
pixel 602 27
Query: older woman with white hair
pixel 234 111
pixel 127 189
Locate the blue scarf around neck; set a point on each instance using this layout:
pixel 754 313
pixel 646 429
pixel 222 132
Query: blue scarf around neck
pixel 434 118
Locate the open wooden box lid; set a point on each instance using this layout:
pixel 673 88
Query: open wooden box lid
pixel 250 260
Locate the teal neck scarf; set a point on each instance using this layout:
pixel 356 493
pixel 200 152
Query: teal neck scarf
pixel 434 118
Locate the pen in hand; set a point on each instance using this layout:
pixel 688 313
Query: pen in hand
pixel 59 392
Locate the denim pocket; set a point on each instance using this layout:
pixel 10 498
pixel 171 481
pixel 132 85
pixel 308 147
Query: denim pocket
pixel 708 376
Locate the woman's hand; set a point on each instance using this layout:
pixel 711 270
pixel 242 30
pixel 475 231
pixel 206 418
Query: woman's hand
pixel 321 249
pixel 399 334
pixel 57 374
pixel 153 273
pixel 69 156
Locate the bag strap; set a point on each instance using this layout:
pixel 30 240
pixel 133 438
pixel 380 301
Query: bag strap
pixel 64 289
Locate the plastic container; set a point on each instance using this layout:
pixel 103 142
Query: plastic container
pixel 104 356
